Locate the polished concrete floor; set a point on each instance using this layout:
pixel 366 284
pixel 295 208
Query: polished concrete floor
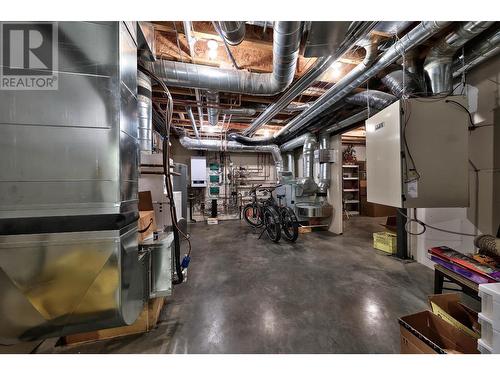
pixel 323 294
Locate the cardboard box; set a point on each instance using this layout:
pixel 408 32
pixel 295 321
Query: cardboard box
pixel 448 307
pixel 147 221
pixel 426 333
pixel 376 210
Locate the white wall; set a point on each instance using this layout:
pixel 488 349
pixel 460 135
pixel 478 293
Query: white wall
pixel 483 96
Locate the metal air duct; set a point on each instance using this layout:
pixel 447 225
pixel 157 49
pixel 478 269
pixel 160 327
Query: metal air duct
pixel 362 73
pixel 145 112
pixel 479 52
pixel 191 41
pixel 319 67
pixel 286 39
pixel 438 62
pixel 352 120
pixel 290 161
pixel 239 111
pixel 218 145
pixel 371 98
pixel 306 184
pixel 294 143
pixel 324 168
pixel 193 122
pixel 212 110
pixel 233 31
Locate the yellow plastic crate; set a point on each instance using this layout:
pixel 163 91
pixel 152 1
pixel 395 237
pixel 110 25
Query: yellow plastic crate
pixel 385 241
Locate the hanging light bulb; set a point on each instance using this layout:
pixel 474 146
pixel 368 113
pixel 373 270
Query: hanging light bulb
pixel 212 49
pixel 336 69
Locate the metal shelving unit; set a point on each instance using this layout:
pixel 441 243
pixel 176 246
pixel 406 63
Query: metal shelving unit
pixel 350 188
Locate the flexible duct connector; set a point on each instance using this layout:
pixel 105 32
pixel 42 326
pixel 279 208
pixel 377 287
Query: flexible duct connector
pixel 145 112
pixel 283 103
pixel 212 110
pixel 218 145
pixel 487 47
pixel 438 63
pixel 324 168
pixel 362 73
pixel 286 39
pixel 247 141
pixel 371 98
pixel 401 82
pixel 193 122
pixel 233 31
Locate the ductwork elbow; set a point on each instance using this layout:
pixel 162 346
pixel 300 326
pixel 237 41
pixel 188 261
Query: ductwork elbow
pixel 286 40
pixel 438 63
pixel 372 98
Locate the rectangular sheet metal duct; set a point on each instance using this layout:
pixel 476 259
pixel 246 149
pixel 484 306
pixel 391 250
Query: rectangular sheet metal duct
pixel 68 191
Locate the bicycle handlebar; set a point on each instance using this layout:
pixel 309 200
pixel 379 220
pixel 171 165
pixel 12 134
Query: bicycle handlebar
pixel 255 187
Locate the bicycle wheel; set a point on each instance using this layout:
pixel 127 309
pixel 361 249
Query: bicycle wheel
pixel 272 223
pixel 289 224
pixel 252 214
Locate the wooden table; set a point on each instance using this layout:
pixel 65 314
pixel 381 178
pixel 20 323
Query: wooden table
pixel 442 275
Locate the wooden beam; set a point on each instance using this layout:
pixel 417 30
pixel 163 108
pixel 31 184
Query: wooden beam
pixel 231 125
pixel 251 55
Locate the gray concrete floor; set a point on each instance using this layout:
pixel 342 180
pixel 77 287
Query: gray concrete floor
pixel 323 294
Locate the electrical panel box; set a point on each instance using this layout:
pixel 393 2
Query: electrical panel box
pixel 198 171
pixel 417 154
pixel 326 156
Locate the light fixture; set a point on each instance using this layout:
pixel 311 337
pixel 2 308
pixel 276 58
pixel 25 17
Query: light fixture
pixel 212 49
pixel 336 69
pixel 211 128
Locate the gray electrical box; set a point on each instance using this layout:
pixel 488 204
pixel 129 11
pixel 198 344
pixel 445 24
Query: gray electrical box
pixel 417 154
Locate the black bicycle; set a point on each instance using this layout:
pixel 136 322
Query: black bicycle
pixel 259 215
pixel 255 213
